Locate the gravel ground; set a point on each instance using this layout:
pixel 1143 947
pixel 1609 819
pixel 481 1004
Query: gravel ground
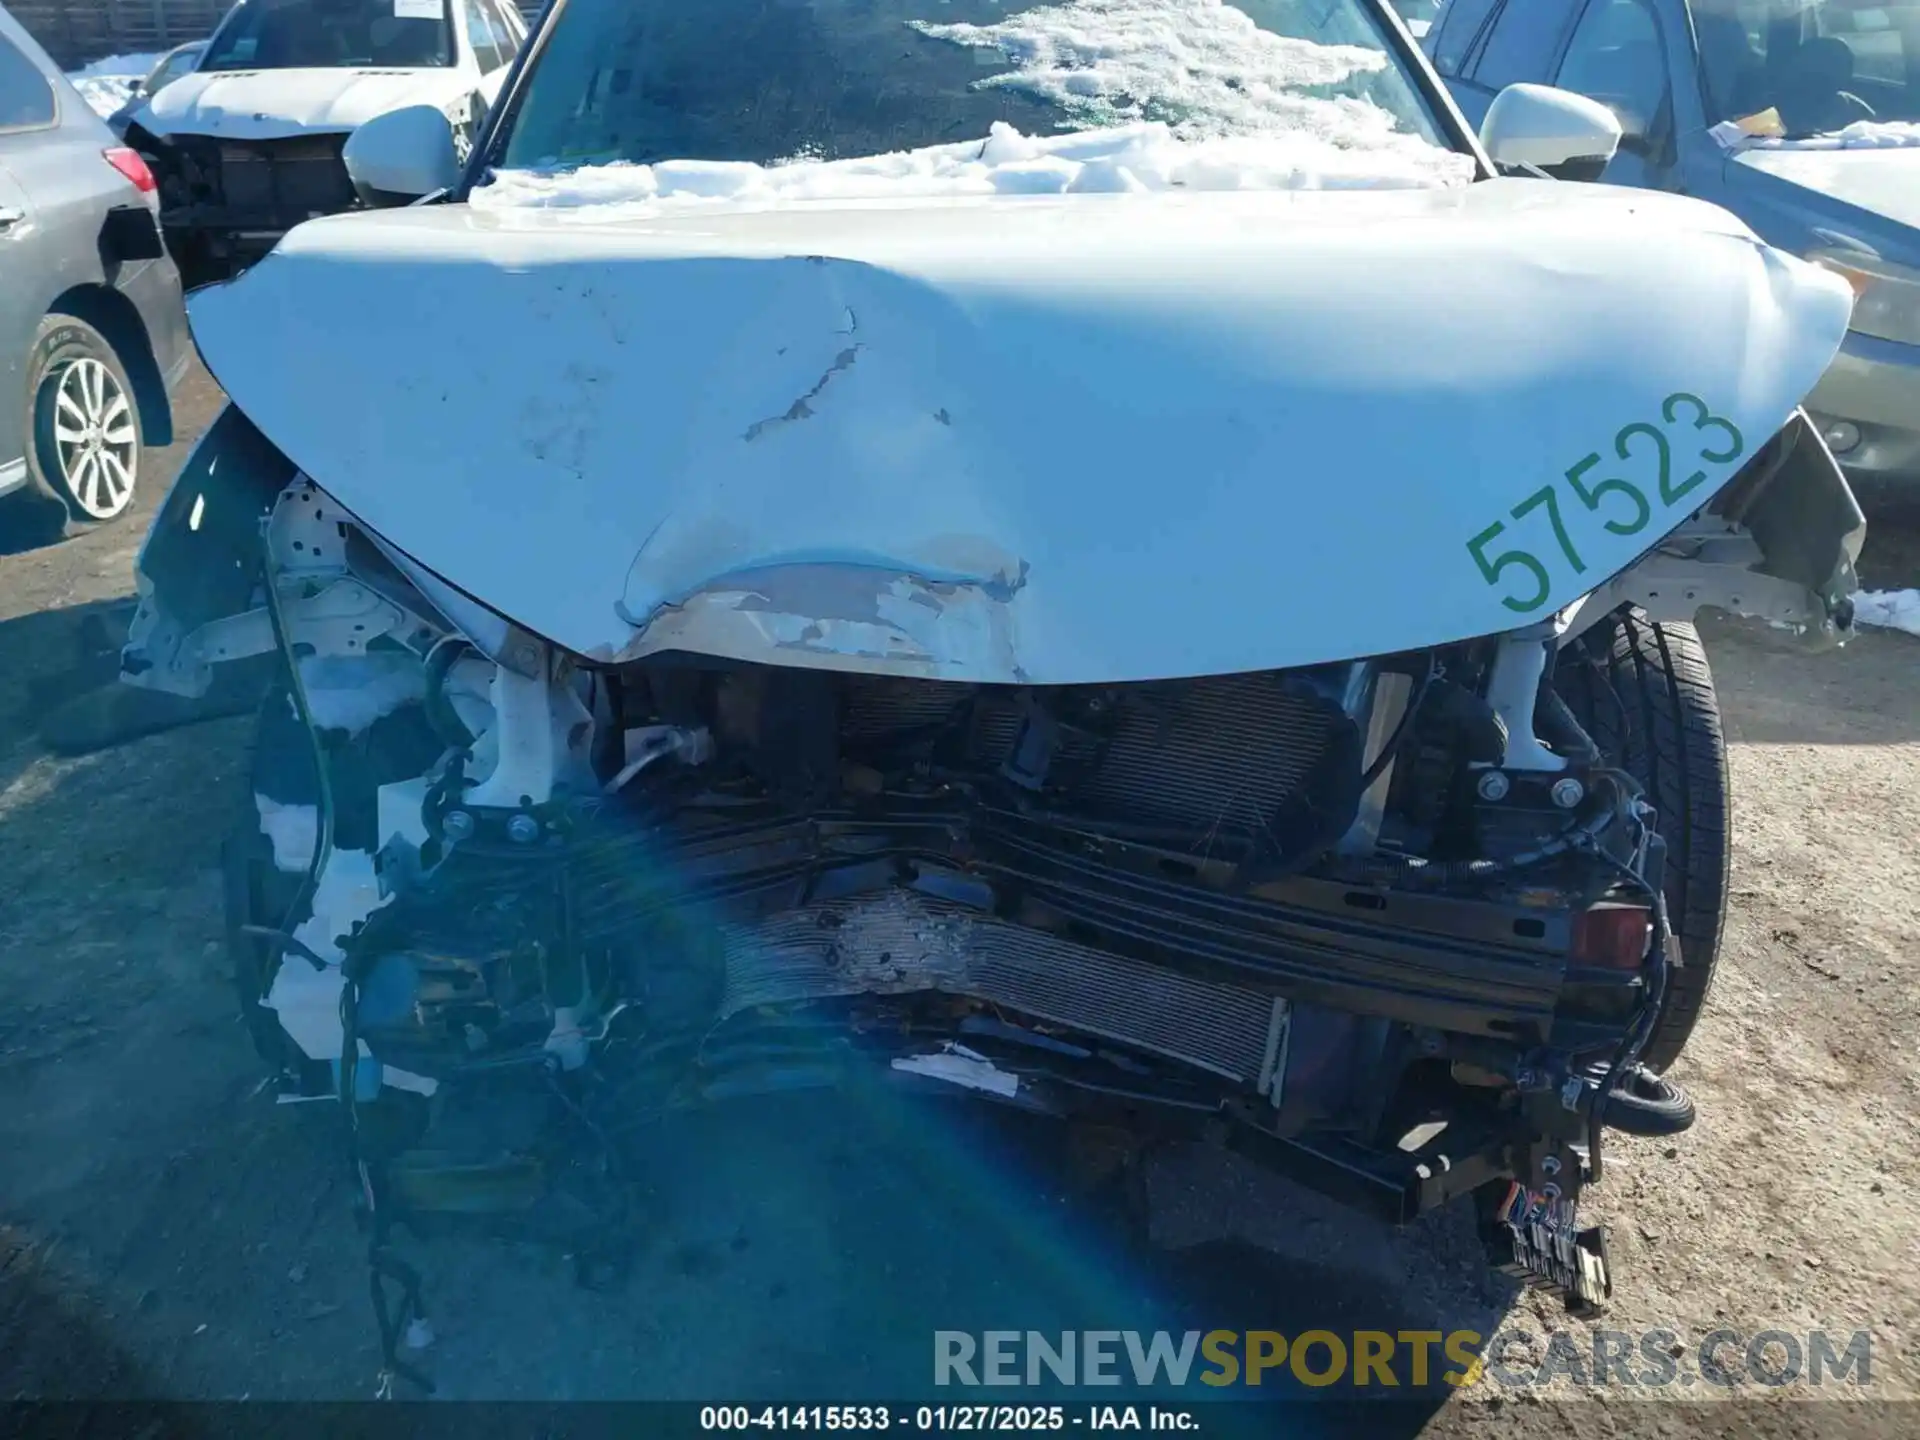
pixel 166 1230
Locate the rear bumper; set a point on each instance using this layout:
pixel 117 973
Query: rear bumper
pixel 1872 392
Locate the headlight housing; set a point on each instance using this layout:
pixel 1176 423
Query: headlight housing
pixel 1886 296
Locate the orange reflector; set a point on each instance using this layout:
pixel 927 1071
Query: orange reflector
pixel 1613 936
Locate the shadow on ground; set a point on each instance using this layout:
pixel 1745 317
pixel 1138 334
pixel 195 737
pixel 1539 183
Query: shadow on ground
pixel 27 524
pixel 795 1247
pixel 60 689
pixel 58 1344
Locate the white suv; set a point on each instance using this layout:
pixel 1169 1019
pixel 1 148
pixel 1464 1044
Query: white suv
pixel 248 144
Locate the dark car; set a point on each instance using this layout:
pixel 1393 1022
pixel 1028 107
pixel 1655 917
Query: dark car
pixel 178 61
pixel 1802 117
pixel 92 331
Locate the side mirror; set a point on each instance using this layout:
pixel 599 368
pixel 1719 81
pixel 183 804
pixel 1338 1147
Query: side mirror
pixel 402 155
pixel 1637 133
pixel 1542 127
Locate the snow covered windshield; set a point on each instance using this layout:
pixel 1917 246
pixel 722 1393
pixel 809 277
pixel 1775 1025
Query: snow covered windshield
pixel 332 34
pixel 756 85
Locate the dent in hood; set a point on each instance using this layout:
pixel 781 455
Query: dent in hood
pixel 1036 440
pixel 275 104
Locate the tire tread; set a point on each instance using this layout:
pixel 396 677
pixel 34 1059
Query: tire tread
pixel 1675 745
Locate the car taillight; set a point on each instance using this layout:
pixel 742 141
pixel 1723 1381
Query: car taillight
pixel 129 164
pixel 1613 936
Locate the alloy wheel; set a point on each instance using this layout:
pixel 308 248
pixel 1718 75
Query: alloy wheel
pixel 95 439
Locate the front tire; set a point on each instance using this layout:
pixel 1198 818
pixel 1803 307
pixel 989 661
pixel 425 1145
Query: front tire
pixel 1644 692
pixel 84 420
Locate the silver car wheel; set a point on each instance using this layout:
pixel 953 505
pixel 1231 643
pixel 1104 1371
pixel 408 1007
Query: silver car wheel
pixel 95 439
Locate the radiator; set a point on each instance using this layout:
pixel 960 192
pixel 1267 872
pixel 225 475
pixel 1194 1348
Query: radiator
pixel 898 942
pixel 279 183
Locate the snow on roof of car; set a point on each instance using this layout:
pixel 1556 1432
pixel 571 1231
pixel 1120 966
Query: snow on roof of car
pixel 1136 157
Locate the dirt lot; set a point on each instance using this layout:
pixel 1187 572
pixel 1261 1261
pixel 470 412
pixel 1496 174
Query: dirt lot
pixel 170 1231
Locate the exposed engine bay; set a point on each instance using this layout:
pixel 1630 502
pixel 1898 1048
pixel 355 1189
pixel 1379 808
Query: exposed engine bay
pixel 1136 872
pixel 1397 924
pixel 225 203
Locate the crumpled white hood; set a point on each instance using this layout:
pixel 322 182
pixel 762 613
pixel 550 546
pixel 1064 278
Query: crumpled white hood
pixel 1035 439
pixel 275 104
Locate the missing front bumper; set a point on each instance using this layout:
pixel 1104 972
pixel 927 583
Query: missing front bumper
pixel 1778 544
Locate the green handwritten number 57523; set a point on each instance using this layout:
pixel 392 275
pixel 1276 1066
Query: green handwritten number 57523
pixel 1632 515
pixel 1628 519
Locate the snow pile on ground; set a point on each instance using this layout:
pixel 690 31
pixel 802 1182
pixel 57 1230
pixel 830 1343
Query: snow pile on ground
pixel 107 84
pixel 1888 609
pixel 1202 66
pixel 1141 156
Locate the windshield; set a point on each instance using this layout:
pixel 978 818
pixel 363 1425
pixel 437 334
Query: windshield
pixel 171 69
pixel 332 34
pixel 1801 68
pixel 747 80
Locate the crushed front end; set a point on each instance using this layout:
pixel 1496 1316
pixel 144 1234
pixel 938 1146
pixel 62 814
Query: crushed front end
pixel 226 202
pixel 1395 925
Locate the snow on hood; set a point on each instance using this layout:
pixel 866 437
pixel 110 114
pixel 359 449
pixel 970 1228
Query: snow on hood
pixel 274 104
pixel 1145 156
pixel 1043 439
pixel 108 84
pixel 1884 181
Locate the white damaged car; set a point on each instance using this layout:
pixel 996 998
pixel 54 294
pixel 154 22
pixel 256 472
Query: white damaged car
pixel 247 144
pixel 1104 556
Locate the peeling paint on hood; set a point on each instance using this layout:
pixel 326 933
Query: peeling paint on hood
pixel 1032 439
